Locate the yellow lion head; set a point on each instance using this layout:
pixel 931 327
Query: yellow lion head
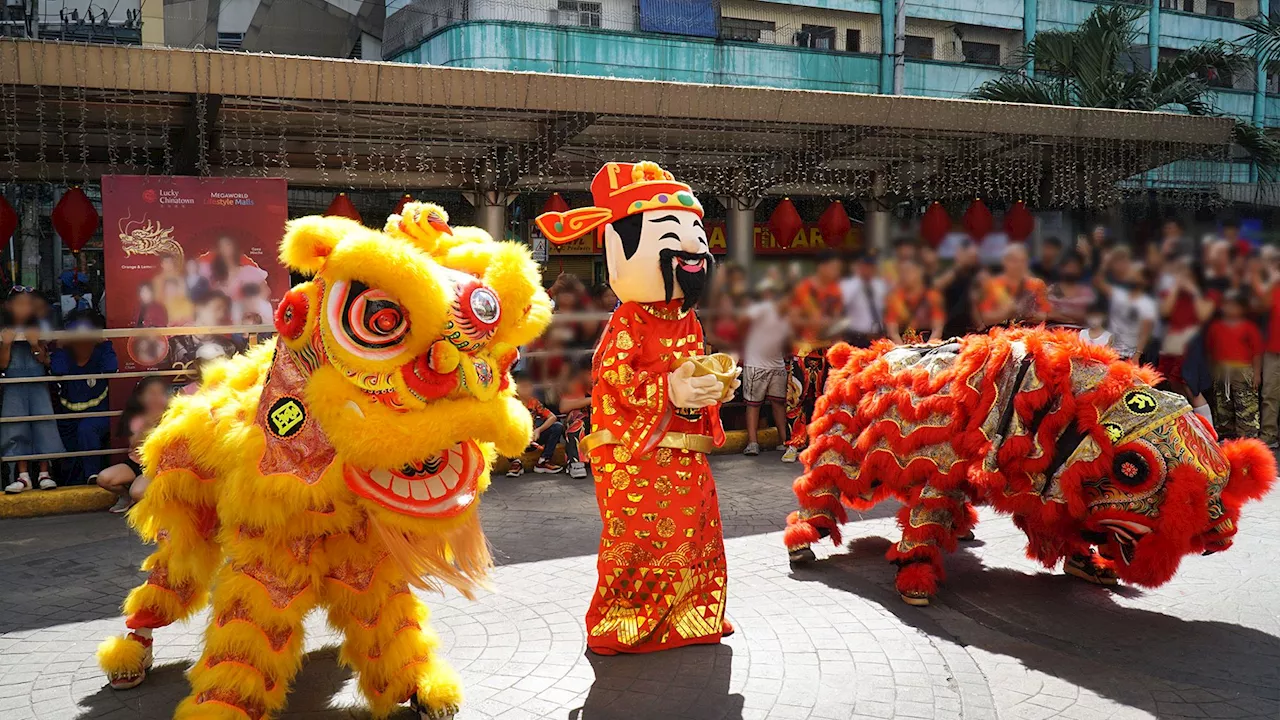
pixel 407 337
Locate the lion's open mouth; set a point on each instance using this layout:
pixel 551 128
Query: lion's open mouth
pixel 439 486
pixel 1126 534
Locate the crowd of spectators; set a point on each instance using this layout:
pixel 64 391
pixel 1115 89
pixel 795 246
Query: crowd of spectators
pixel 1203 310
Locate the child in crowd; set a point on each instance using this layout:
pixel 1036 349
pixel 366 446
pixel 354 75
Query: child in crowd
pixel 26 358
pixel 1235 347
pixel 547 431
pixel 575 405
pixel 141 413
pixel 83 357
pixel 1095 331
pixel 764 369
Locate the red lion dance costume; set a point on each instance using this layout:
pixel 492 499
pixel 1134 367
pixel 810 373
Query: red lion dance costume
pixel 1076 445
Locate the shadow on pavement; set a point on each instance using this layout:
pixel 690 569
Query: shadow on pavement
pixel 690 682
pixel 310 697
pixel 1069 629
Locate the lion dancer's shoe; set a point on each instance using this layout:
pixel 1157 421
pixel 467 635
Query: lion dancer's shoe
pixel 1091 568
pixel 127 658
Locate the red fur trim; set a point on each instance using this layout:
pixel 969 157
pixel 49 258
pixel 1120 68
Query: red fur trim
pixel 1253 471
pixel 918 578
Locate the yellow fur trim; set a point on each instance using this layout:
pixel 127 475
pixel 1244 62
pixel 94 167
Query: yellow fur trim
pixel 119 655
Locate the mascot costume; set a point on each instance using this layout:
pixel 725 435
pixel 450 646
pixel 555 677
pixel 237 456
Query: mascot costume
pixel 655 410
pixel 337 467
pixel 1096 466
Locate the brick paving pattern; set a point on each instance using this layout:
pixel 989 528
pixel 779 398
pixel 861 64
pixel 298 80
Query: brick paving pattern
pixel 1006 639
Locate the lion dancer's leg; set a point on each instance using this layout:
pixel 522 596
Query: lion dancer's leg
pixel 387 640
pixel 932 521
pixel 178 514
pixel 253 645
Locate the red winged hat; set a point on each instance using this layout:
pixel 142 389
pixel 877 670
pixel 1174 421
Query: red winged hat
pixel 619 190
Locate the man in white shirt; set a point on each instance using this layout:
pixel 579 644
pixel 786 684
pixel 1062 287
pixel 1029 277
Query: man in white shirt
pixel 864 293
pixel 764 370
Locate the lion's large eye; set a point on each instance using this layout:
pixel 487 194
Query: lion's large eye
pixel 366 321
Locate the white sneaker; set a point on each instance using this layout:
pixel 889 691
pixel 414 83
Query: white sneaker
pixel 46 482
pixel 577 470
pixel 515 468
pixel 122 505
pixel 790 455
pixel 751 449
pixel 22 484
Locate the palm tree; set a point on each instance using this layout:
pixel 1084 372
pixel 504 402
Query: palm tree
pixel 1097 65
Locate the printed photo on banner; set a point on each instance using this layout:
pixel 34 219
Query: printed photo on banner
pixel 193 252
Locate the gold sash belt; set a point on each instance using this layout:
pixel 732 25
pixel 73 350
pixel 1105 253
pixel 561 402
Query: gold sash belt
pixel 675 440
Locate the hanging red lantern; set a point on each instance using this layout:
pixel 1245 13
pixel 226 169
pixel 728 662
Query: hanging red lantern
pixel 75 219
pixel 404 200
pixel 1019 223
pixel 785 223
pixel 978 220
pixel 835 225
pixel 935 224
pixel 343 207
pixel 555 203
pixel 8 222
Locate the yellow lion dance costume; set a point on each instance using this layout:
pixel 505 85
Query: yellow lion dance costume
pixel 338 466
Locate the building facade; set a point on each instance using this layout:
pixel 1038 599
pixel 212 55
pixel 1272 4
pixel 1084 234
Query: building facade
pixel 952 46
pixel 324 28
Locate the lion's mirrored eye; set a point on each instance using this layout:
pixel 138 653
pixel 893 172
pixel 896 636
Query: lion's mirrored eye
pixel 366 321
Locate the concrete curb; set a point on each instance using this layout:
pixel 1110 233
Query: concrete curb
pixel 63 501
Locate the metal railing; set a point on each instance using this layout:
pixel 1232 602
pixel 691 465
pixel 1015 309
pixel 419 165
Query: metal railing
pixel 252 331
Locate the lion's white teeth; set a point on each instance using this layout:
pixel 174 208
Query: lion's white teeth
pixel 436 486
pixel 400 487
pixel 381 476
pixel 419 490
pixel 355 408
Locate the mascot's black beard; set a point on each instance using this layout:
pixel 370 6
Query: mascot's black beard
pixel 692 284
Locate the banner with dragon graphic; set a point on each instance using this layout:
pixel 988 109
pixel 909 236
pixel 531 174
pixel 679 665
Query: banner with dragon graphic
pixel 189 251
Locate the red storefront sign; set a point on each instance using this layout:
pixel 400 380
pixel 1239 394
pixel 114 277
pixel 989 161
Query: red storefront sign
pixel 806 242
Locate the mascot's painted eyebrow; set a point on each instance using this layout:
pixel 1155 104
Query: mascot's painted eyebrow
pixel 666 218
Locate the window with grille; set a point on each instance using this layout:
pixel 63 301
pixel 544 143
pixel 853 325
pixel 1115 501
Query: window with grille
pixel 230 41
pixel 744 30
pixel 818 37
pixel 582 14
pixel 1218 8
pixel 852 40
pixel 919 47
pixel 980 53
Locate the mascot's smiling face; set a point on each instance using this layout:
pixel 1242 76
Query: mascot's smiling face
pixel 407 337
pixel 658 255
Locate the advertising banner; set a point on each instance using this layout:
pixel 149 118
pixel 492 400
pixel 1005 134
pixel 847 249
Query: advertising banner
pixel 187 251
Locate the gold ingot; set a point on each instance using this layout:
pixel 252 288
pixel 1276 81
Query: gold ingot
pixel 720 366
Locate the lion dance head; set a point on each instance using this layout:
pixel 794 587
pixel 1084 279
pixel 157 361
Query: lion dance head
pixel 407 337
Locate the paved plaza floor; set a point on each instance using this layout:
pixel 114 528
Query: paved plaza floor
pixel 1006 639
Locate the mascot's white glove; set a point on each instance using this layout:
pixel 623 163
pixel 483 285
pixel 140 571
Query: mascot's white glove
pixel 687 391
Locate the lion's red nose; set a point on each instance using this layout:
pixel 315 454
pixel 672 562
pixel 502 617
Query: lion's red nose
pixel 425 382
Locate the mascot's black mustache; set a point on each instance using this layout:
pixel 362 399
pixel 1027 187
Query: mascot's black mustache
pixel 693 284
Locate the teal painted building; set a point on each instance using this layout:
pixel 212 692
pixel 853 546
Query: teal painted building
pixel 952 46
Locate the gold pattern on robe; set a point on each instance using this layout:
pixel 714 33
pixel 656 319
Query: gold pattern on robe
pixel 620 480
pixel 624 341
pixel 625 374
pixel 662 485
pixel 663 457
pixel 666 527
pixel 617 526
pixel 621 454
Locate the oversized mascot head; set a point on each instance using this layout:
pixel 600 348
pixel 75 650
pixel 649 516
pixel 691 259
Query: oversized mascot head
pixel 405 339
pixel 1152 483
pixel 651 228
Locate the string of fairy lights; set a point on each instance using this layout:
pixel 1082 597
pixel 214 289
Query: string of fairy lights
pixel 64 130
